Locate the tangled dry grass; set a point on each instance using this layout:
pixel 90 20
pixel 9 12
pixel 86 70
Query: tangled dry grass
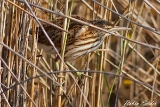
pixel 125 68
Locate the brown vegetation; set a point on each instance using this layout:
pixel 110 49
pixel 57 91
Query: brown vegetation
pixel 125 67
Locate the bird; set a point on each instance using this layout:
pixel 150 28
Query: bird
pixel 81 39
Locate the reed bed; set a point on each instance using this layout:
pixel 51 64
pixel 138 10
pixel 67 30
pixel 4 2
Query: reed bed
pixel 124 70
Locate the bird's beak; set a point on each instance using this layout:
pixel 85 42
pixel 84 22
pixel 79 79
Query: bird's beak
pixel 118 28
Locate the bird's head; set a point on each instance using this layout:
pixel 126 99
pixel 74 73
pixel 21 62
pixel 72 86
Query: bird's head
pixel 102 24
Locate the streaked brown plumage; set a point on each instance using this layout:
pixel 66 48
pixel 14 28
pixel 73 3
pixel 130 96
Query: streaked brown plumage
pixel 81 39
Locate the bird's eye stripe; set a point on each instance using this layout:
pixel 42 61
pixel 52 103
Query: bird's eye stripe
pixel 87 40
